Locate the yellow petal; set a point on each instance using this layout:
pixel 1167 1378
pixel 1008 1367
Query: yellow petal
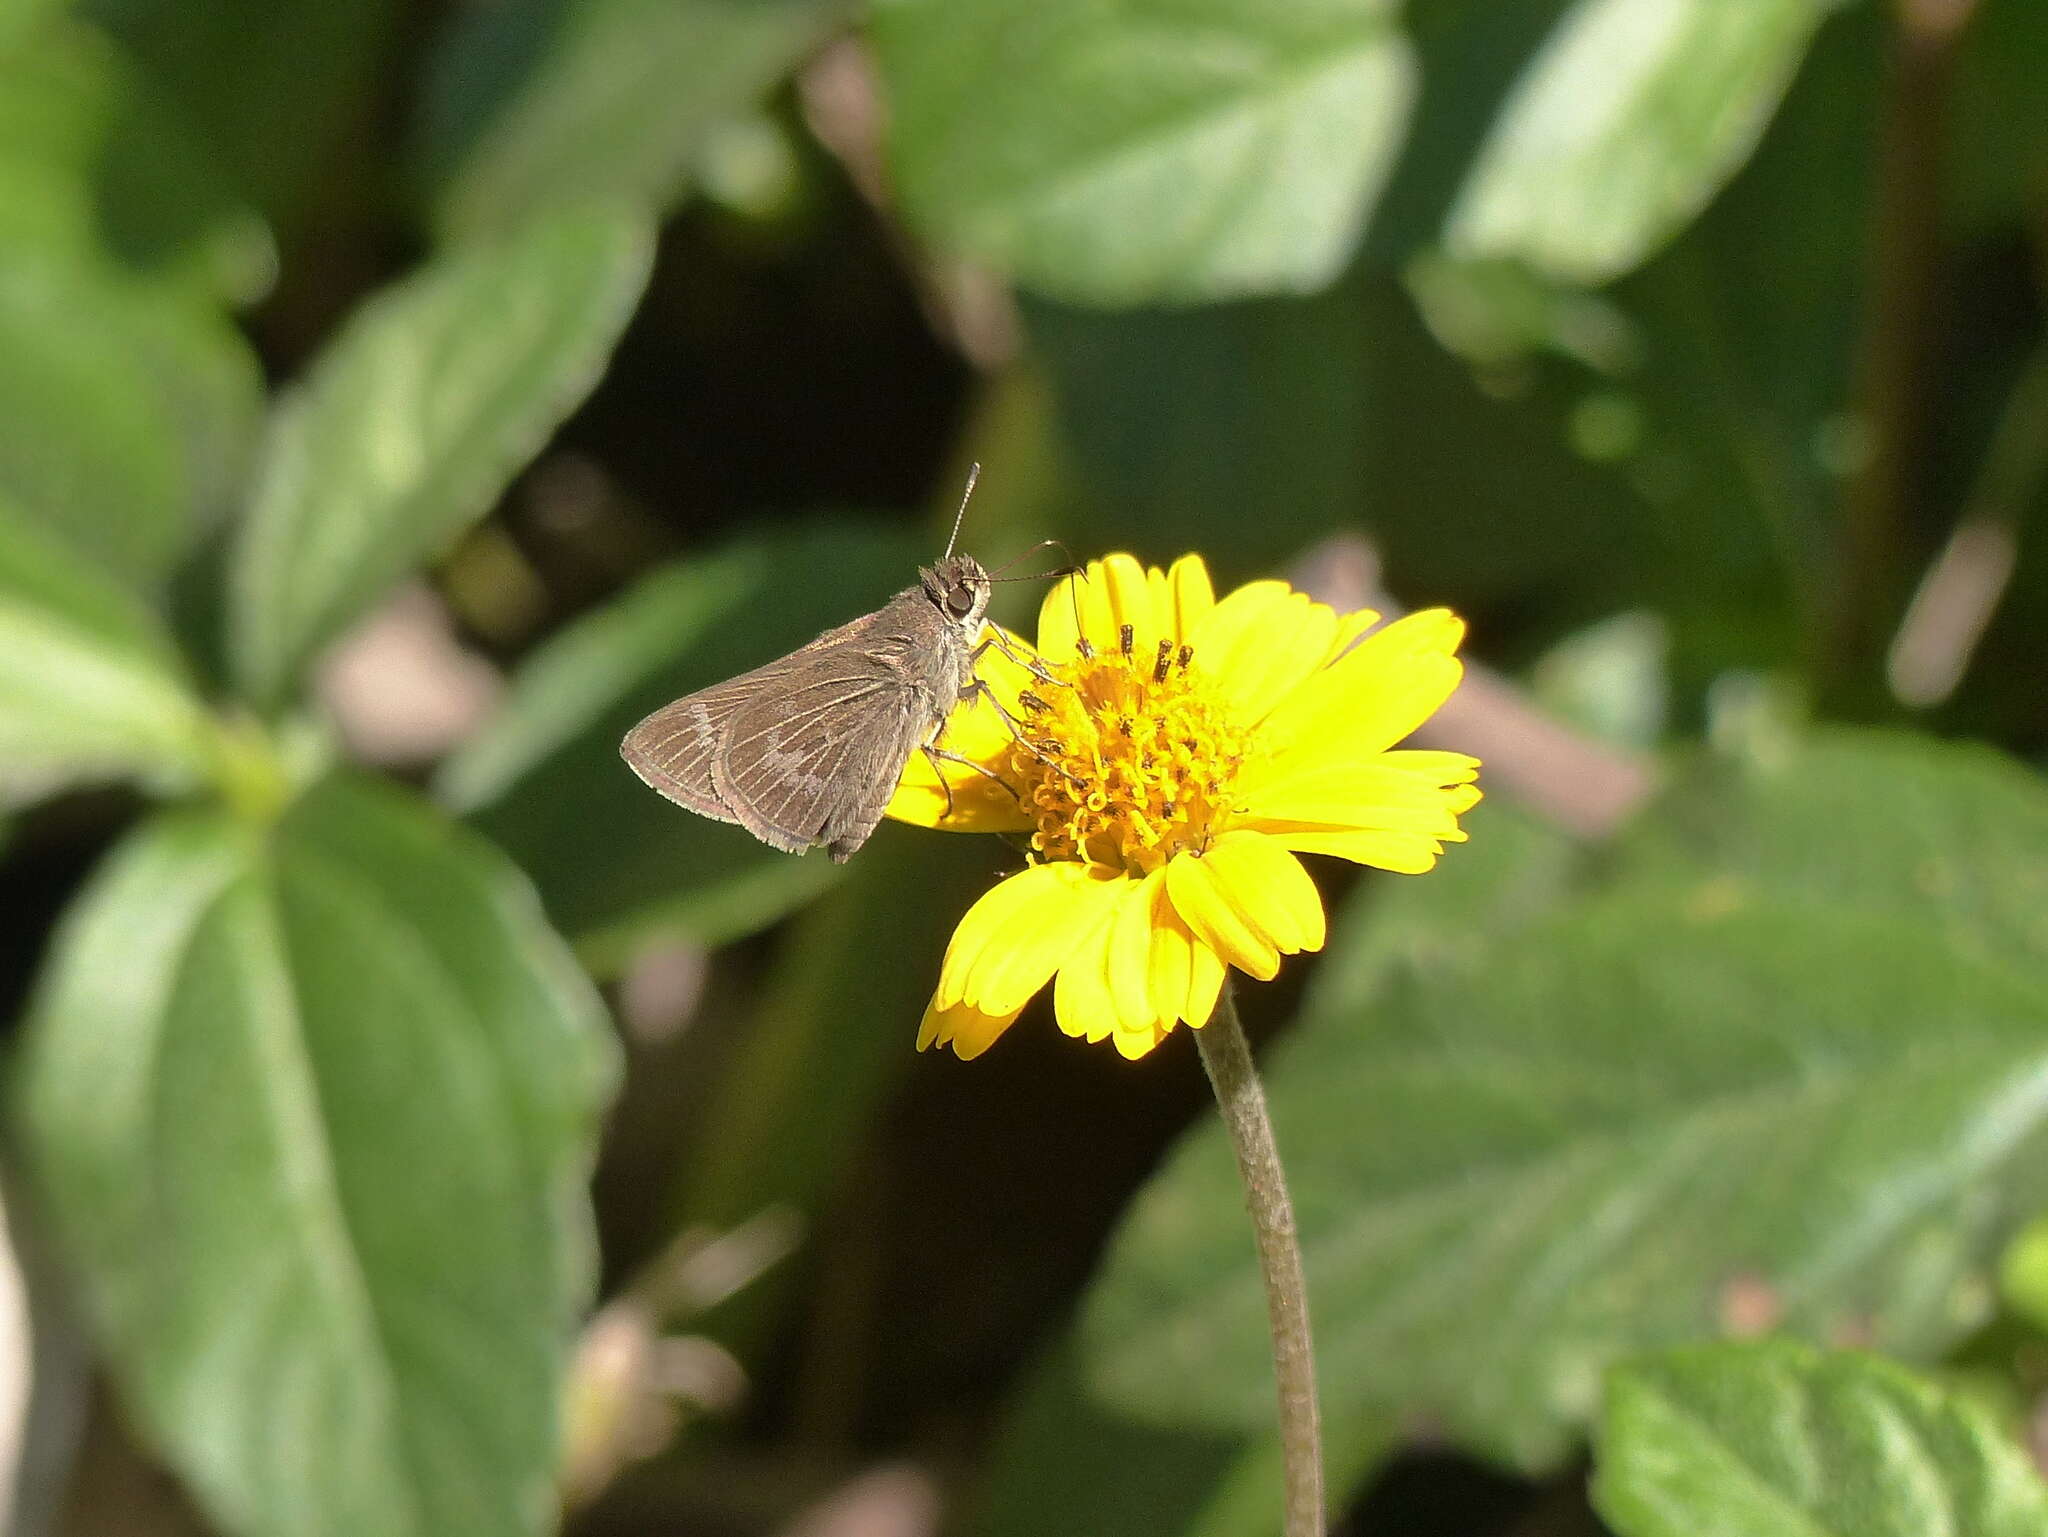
pixel 1269 888
pixel 1129 959
pixel 968 1031
pixel 1186 975
pixel 1369 794
pixel 1189 597
pixel 1259 666
pixel 1007 944
pixel 1080 996
pixel 1349 628
pixel 978 804
pixel 1129 592
pixel 1238 619
pixel 1386 686
pixel 1059 617
pixel 1067 904
pixel 1133 1044
pixel 1205 983
pixel 1403 852
pixel 1205 906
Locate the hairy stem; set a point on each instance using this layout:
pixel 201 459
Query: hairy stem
pixel 1228 1059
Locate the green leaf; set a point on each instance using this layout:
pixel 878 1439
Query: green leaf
pixel 95 169
pixel 313 1109
pixel 1788 1058
pixel 281 90
pixel 1779 1440
pixel 412 422
pixel 1623 127
pixel 90 689
pixel 539 103
pixel 1232 428
pixel 17 16
pixel 613 859
pixel 2023 1274
pixel 131 414
pixel 1131 153
pixel 1064 1462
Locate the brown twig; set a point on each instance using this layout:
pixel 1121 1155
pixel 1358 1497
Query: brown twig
pixel 1891 389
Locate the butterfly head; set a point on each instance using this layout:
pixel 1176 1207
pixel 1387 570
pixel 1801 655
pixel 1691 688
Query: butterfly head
pixel 958 589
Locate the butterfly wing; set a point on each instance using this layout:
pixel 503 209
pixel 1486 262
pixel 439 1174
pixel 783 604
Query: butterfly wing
pixel 804 750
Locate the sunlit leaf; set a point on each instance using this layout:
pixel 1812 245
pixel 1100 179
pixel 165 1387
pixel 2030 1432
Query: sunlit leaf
pixel 1126 153
pixel 1786 1064
pixel 90 689
pixel 538 103
pixel 313 1109
pixel 1622 128
pixel 413 421
pixel 1779 1440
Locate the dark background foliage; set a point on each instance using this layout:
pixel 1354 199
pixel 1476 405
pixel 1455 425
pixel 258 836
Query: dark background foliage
pixel 399 399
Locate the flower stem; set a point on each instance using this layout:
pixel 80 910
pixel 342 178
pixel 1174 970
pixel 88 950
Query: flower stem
pixel 1228 1060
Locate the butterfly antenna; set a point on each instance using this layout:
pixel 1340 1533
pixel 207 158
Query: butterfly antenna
pixel 973 474
pixel 1081 645
pixel 1069 569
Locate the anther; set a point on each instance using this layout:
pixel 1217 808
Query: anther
pixel 1187 655
pixel 1127 638
pixel 1031 701
pixel 1159 667
pixel 1082 645
pixel 1124 725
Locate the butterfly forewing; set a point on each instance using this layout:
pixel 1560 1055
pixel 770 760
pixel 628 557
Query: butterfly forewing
pixel 783 767
pixel 807 750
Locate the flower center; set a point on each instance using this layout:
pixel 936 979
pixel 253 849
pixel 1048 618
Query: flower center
pixel 1132 763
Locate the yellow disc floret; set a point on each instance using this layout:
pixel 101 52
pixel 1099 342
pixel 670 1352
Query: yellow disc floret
pixel 1128 759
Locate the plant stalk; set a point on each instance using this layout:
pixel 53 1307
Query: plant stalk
pixel 1227 1057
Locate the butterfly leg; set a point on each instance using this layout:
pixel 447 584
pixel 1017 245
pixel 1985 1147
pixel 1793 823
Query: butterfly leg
pixel 980 690
pixel 936 755
pixel 1030 664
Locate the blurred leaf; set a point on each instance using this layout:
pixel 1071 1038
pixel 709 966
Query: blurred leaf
pixel 614 860
pixel 1251 430
pixel 95 168
pixel 90 688
pixel 412 422
pixel 1234 429
pixel 45 1374
pixel 130 414
pixel 538 103
pixel 313 1108
pixel 1778 1440
pixel 1608 680
pixel 278 88
pixel 1623 127
pixel 1131 152
pixel 17 16
pixel 2023 1274
pixel 834 1031
pixel 1787 1061
pixel 1114 1474
pixel 1998 141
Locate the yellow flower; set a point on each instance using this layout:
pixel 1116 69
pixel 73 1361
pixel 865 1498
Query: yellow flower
pixel 1186 750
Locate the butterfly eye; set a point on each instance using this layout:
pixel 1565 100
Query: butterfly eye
pixel 960 601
